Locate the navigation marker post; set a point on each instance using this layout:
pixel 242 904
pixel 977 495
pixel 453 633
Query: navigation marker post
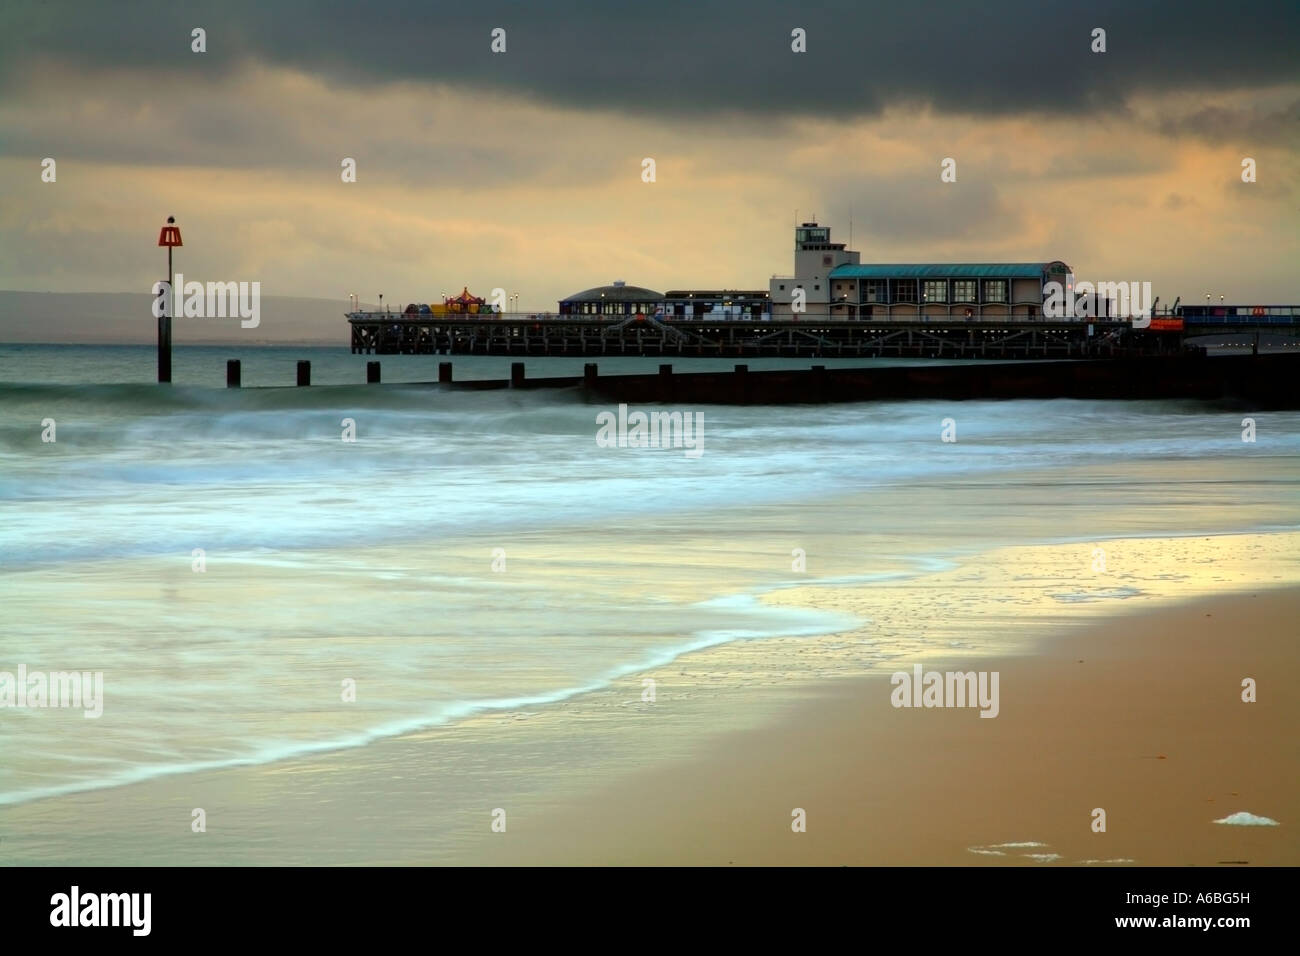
pixel 170 236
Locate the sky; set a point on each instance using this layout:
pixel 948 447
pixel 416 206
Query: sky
pixel 523 169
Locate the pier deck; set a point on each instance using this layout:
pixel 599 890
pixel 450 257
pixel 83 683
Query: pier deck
pixel 524 335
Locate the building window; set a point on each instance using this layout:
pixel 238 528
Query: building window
pixel 874 290
pixel 963 290
pixel 904 290
pixel 782 288
pixel 936 290
pixel 995 290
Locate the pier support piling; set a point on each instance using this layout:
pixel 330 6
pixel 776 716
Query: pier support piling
pixel 516 374
pixel 372 373
pixel 444 372
pixel 589 373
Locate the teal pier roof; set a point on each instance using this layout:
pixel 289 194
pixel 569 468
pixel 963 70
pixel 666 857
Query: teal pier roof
pixel 961 270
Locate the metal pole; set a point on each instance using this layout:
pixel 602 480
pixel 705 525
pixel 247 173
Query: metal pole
pixel 165 328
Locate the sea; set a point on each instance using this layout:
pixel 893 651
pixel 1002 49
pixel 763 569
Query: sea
pixel 271 571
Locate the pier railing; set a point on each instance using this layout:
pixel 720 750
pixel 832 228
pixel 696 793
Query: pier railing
pixel 1230 315
pixel 811 335
pixel 554 318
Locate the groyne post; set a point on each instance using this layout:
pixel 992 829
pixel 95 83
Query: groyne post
pixel 444 372
pixel 819 383
pixel 170 236
pixel 232 373
pixel 740 383
pixel 304 372
pixel 165 346
pixel 516 374
pixel 372 373
pixel 665 383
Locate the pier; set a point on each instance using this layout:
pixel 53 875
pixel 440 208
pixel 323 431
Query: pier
pixel 833 306
pixel 381 333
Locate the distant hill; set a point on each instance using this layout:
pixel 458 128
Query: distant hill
pixel 126 318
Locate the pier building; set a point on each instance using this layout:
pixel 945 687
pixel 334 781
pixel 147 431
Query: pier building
pixel 717 304
pixel 618 298
pixel 836 283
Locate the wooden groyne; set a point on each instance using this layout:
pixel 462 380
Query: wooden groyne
pixel 1261 381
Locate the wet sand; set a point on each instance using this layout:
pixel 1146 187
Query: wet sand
pixel 1141 716
pixel 1129 702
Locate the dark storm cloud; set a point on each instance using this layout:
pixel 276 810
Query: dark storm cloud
pixel 272 122
pixel 697 57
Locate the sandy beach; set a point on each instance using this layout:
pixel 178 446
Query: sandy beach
pixel 1125 698
pixel 1141 716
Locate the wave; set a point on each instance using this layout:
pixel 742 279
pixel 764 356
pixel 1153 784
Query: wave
pixel 782 622
pixel 139 470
